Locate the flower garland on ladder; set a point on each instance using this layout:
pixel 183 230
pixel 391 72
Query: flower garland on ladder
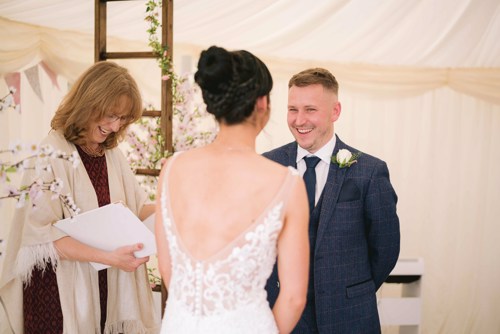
pixel 192 125
pixel 153 14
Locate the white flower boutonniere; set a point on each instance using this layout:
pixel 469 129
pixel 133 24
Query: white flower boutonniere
pixel 344 158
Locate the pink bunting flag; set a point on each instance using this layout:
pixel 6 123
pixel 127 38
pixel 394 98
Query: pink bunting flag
pixel 52 75
pixel 14 80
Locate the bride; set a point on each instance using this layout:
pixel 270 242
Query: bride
pixel 225 213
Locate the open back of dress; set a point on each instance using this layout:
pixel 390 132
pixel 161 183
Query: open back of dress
pixel 226 292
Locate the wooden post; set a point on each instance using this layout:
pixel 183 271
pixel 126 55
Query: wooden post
pixel 100 30
pixel 166 87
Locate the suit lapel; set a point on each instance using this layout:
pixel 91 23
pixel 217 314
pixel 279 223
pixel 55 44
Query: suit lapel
pixel 331 193
pixel 292 155
pixel 285 156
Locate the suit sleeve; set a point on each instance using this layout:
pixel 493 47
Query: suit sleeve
pixel 382 224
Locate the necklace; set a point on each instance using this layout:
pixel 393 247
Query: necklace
pixel 239 148
pixel 93 152
pixel 229 148
pixel 235 147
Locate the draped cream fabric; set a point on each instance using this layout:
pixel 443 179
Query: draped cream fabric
pixel 419 87
pixel 70 53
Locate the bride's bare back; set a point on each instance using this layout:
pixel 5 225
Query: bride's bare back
pixel 220 196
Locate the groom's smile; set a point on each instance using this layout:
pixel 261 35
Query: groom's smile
pixel 311 113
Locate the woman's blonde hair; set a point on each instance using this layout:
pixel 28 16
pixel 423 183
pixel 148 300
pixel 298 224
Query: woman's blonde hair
pixel 95 94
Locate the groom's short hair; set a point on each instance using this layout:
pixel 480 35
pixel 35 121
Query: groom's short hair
pixel 314 76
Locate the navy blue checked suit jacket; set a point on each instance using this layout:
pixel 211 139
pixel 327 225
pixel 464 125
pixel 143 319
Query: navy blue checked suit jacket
pixel 357 244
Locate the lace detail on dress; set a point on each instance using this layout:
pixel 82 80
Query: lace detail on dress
pixel 225 293
pixel 213 287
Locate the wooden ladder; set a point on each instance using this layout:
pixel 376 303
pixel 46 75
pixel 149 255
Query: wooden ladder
pixel 166 112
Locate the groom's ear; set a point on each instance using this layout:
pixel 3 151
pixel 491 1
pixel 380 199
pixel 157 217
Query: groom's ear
pixel 337 108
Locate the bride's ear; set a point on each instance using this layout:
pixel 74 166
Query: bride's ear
pixel 262 111
pixel 262 104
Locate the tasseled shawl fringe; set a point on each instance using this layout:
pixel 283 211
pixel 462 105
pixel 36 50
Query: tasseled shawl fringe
pixel 37 256
pixel 128 326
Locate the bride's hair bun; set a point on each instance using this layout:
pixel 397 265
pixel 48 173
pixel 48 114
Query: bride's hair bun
pixel 231 82
pixel 214 68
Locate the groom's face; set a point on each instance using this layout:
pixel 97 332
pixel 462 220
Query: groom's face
pixel 311 112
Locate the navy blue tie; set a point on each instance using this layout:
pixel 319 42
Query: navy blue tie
pixel 310 179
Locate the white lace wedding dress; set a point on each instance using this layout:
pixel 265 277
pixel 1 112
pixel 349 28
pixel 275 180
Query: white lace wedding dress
pixel 225 293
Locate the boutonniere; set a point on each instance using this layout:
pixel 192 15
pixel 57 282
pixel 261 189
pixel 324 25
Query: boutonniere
pixel 344 158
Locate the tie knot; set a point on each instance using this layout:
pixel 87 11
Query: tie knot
pixel 311 162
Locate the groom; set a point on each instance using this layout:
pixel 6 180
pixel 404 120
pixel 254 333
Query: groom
pixel 353 227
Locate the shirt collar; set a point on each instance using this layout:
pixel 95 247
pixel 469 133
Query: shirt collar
pixel 324 153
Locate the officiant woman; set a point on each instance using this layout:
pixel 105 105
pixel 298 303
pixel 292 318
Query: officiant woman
pixel 47 284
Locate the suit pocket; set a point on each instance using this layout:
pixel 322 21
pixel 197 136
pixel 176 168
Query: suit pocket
pixel 349 192
pixel 360 289
pixel 350 205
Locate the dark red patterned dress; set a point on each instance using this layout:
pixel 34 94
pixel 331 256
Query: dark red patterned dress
pixel 41 304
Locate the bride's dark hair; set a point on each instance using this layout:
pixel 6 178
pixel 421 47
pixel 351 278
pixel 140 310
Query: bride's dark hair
pixel 231 82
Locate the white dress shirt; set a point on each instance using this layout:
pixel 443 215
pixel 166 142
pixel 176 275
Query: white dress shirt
pixel 322 168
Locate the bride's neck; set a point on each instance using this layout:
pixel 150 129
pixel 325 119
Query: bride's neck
pixel 240 137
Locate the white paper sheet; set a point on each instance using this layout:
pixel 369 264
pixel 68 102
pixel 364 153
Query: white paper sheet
pixel 107 228
pixel 150 222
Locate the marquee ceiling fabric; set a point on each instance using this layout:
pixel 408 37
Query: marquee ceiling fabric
pixel 436 61
pixel 424 33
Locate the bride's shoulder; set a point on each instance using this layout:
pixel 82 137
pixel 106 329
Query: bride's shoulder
pixel 275 166
pixel 275 170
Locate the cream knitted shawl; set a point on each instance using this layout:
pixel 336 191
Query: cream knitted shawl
pixel 30 244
